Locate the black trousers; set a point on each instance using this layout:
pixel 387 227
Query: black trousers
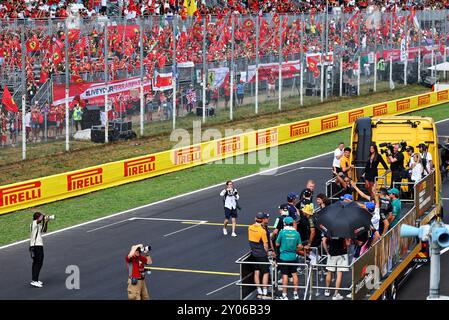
pixel 396 176
pixel 37 254
pixel 77 124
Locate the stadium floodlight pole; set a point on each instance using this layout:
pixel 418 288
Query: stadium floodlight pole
pixel 23 49
pixel 142 102
pixel 174 73
pixel 375 57
pixel 67 73
pixel 106 76
pixel 326 41
pixel 406 50
pixel 322 67
pixel 359 35
pixel 231 70
pixel 433 45
pixel 301 59
pixel 280 61
pixel 391 55
pixel 204 69
pixel 342 41
pixel 256 102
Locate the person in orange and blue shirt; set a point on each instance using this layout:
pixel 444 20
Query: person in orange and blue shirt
pixel 258 243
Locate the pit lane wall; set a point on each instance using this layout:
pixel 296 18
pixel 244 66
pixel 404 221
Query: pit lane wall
pixel 36 192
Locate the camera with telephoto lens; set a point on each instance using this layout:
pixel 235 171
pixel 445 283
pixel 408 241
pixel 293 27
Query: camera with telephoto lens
pixel 48 218
pixel 145 249
pixel 389 147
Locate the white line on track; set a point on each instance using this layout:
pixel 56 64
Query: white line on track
pixel 176 197
pixel 167 219
pixel 108 225
pixel 302 168
pixel 219 289
pixel 444 250
pixel 184 229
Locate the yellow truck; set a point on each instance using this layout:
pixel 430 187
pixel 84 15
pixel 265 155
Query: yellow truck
pixel 395 257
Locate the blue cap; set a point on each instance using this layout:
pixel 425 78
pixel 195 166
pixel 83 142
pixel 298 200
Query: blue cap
pixel 288 220
pixel 347 196
pixel 370 206
pixel 292 196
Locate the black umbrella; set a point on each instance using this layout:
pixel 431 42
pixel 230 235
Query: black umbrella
pixel 344 220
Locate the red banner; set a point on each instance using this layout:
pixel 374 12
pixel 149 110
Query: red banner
pixel 94 92
pixel 290 69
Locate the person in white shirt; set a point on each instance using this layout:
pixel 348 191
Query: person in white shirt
pixel 38 226
pixel 338 153
pixel 416 168
pixel 426 158
pixel 230 198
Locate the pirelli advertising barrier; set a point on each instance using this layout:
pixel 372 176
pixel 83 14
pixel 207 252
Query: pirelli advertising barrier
pixel 57 187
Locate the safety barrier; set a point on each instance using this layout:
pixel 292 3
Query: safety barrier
pixel 379 266
pixel 62 186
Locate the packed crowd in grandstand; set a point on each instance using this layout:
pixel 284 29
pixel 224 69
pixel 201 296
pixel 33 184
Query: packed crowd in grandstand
pixel 45 42
pixel 88 8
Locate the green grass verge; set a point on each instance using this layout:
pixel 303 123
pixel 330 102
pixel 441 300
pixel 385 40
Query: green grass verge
pixel 73 211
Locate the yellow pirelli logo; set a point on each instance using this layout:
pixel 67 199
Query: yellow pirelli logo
pixel 187 155
pixel 299 129
pixel 266 136
pixel 403 105
pixel 329 123
pixel 354 115
pixel 20 193
pixel 229 145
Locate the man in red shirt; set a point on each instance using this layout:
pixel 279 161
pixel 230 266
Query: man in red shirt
pixel 136 260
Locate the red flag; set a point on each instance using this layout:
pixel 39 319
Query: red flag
pixel 57 56
pixel 248 24
pixel 74 35
pixel 76 78
pixel 312 63
pixel 8 101
pixel 44 76
pixel 32 45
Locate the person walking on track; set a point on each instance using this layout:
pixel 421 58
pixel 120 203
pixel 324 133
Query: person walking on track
pixel 230 202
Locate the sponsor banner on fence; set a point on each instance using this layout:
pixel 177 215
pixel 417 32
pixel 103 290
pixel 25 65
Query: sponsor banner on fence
pixel 95 92
pixel 290 69
pixel 57 187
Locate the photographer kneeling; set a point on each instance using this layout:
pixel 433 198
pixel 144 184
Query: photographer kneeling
pixel 395 158
pixel 138 257
pixel 38 226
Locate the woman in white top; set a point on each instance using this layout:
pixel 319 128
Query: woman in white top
pixel 416 168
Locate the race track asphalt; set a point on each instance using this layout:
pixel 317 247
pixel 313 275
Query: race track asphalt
pixel 203 259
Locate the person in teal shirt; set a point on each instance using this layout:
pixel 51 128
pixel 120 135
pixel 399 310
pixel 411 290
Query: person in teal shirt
pixel 396 203
pixel 289 244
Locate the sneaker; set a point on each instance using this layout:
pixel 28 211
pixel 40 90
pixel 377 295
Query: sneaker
pixel 295 296
pixel 337 297
pixel 233 234
pixel 41 283
pixel 225 232
pixel 349 295
pixel 36 284
pixel 327 293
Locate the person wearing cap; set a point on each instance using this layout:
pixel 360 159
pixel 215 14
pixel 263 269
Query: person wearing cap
pixel 306 225
pixel 426 158
pixel 346 198
pixel 289 244
pixel 385 211
pixel 265 221
pixel 292 209
pixel 258 243
pixel 396 204
pixel 279 223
